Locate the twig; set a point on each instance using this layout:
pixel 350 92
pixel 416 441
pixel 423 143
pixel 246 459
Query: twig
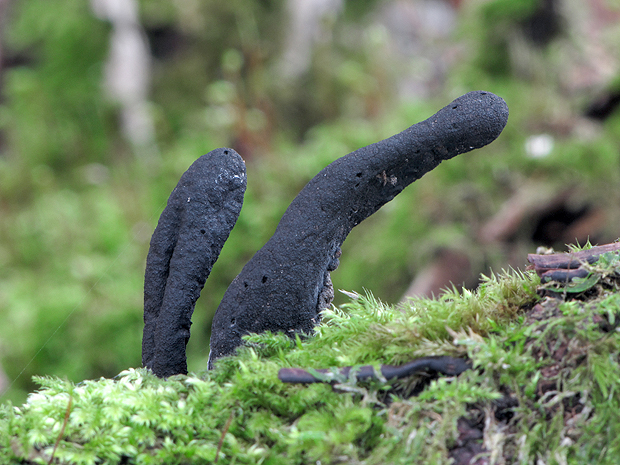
pixel 62 429
pixel 226 426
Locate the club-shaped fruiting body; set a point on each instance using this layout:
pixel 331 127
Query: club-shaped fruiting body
pixel 286 284
pixel 201 212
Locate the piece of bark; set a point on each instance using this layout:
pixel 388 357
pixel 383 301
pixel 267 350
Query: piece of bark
pixel 569 260
pixel 522 208
pixel 282 287
pixel 445 365
pixel 201 212
pixel 563 267
pixel 563 275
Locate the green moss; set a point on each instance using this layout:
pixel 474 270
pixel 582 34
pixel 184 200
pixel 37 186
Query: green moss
pixel 544 387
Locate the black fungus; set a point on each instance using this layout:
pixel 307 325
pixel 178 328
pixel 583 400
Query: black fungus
pixel 201 212
pixel 286 284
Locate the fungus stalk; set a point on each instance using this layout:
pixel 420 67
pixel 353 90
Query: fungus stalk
pixel 286 285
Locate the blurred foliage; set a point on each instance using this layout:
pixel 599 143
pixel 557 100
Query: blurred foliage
pixel 77 206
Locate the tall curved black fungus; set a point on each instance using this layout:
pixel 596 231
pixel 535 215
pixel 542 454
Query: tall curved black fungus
pixel 201 212
pixel 286 284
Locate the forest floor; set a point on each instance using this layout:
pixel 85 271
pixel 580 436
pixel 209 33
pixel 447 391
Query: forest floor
pixel 542 388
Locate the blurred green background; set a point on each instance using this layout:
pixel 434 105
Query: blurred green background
pixel 104 104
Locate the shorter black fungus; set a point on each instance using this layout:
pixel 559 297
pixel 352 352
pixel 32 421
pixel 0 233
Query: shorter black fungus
pixel 201 212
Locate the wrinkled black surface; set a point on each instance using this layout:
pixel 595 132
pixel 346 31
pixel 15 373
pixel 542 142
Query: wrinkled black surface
pixel 445 365
pixel 283 287
pixel 201 212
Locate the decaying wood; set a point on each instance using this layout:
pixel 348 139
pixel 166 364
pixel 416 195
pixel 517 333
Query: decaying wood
pixel 565 266
pixel 570 260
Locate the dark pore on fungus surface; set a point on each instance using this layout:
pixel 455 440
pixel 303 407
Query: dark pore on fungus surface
pixel 286 284
pixel 201 212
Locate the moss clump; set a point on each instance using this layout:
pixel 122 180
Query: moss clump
pixel 544 387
